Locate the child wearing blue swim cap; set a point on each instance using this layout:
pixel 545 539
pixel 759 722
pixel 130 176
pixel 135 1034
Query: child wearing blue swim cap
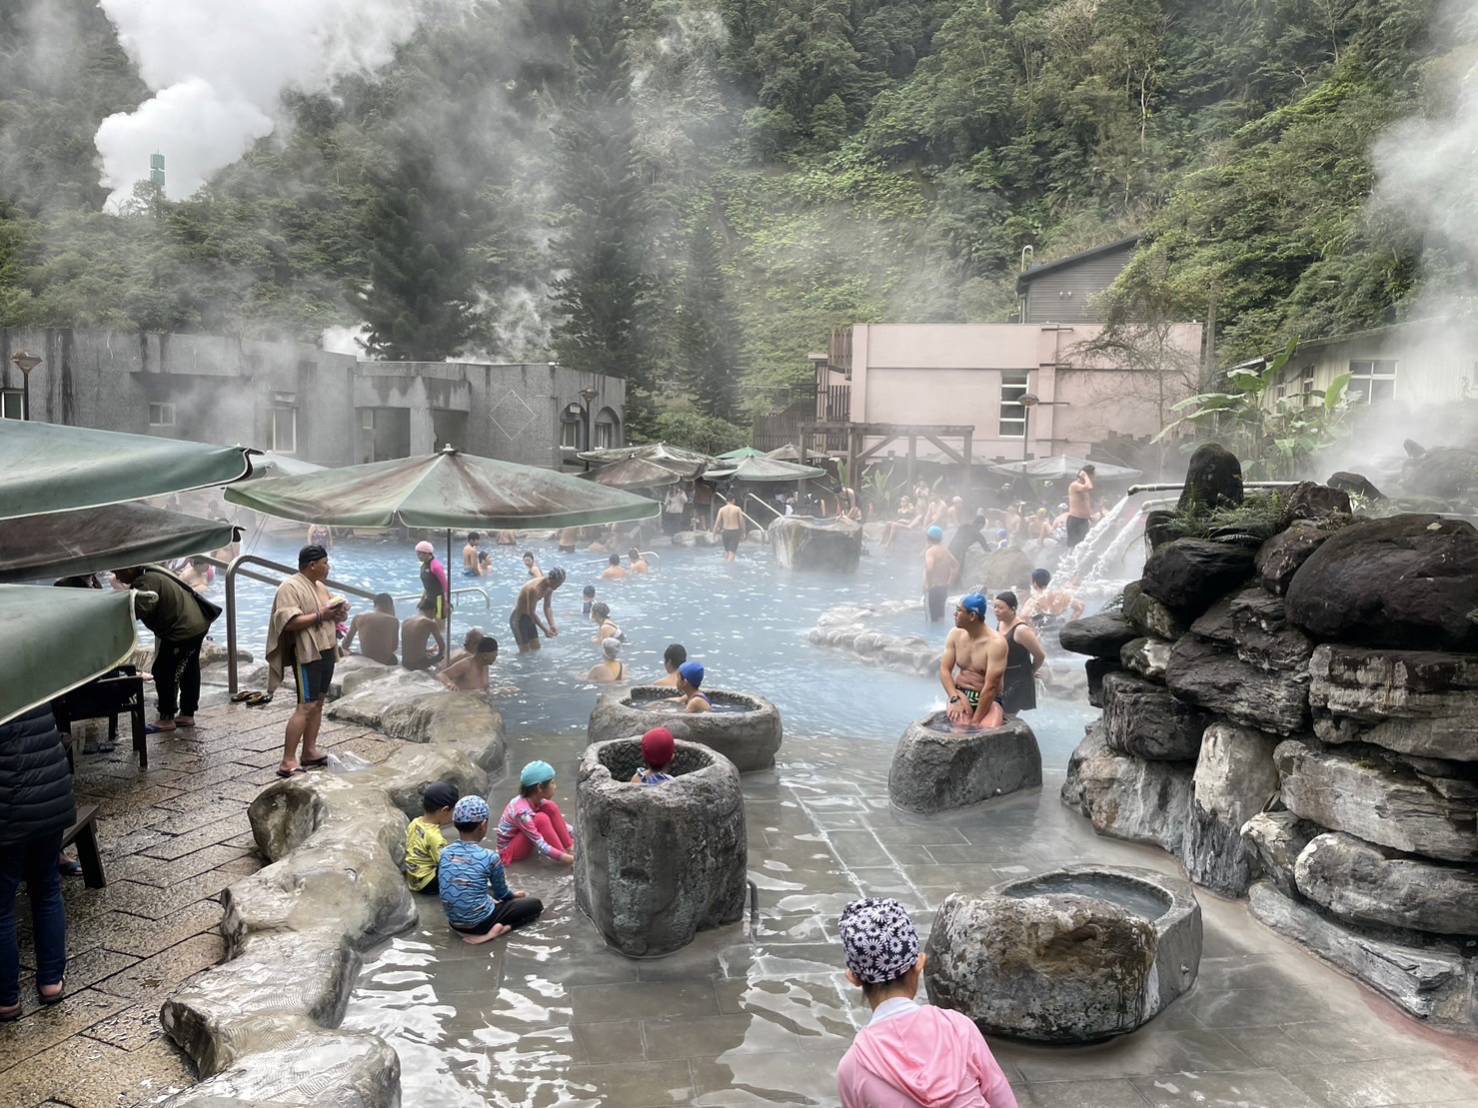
pixel 689 683
pixel 532 822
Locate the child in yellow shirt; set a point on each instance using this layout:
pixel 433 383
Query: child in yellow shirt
pixel 424 841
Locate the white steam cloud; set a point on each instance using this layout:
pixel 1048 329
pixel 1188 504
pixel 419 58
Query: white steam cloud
pixel 218 71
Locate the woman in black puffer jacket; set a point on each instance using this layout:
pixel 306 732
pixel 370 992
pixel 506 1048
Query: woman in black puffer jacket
pixel 36 808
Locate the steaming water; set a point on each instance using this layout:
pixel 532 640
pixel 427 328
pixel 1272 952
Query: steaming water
pixel 746 622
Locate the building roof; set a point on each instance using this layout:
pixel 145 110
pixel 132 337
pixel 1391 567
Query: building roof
pixel 1073 259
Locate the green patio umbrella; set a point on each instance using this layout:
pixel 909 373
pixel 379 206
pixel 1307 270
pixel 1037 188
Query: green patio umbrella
pixel 50 467
pixel 58 639
pixel 737 455
pixel 632 473
pixel 685 463
pixel 1063 466
pixel 764 469
pixel 61 544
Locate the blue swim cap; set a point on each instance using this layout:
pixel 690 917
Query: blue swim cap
pixel 692 673
pixel 470 809
pixel 935 533
pixel 975 602
pixel 536 773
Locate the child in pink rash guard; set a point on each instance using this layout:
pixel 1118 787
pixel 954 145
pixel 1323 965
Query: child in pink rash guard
pixel 909 1054
pixel 532 823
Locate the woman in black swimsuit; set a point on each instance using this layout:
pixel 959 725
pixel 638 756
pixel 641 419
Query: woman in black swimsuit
pixel 1024 656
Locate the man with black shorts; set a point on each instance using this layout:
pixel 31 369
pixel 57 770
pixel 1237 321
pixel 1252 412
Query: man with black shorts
pixel 730 523
pixel 302 639
pixel 524 621
pixel 940 568
pixel 1080 506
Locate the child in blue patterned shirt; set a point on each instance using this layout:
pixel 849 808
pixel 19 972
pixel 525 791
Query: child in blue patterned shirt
pixel 478 902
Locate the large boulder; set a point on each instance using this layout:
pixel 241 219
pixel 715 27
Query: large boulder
pixel 363 1071
pixel 1007 569
pixel 937 767
pixel 1100 636
pixel 1273 841
pixel 1311 500
pixel 1235 778
pixel 1432 979
pixel 1095 670
pixel 1209 675
pixel 1150 616
pixel 1128 798
pixel 1141 719
pixel 829 545
pixel 658 863
pixel 1074 956
pixel 1189 575
pixel 1280 557
pixel 1356 484
pixel 1443 472
pixel 744 728
pixel 1381 798
pixel 1418 702
pixel 1261 634
pixel 1213 479
pixel 1408 581
pixel 1366 883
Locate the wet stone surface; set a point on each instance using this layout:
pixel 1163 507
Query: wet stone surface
pixel 759 1013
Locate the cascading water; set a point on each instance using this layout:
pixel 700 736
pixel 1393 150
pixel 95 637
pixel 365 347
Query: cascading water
pixel 1113 550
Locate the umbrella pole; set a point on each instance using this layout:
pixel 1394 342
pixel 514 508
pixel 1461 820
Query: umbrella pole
pixel 447 599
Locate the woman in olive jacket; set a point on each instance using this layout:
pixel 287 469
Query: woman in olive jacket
pixel 36 808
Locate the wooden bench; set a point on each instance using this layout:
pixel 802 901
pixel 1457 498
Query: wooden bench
pixel 111 696
pixel 84 834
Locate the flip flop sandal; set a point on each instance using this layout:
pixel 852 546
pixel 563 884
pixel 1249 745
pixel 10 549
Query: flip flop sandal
pixel 155 729
pixel 245 694
pixel 286 773
pixel 315 763
pixel 257 699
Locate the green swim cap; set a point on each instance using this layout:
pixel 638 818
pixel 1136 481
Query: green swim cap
pixel 536 773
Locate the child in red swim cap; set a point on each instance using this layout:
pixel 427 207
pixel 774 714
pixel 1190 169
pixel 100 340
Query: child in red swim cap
pixel 657 749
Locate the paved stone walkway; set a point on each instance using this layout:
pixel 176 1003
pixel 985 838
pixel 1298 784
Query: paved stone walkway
pixel 172 839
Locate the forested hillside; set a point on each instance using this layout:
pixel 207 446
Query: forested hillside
pixel 694 192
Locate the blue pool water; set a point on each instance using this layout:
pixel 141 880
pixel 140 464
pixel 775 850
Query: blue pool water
pixel 745 621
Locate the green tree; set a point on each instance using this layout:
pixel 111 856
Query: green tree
pixel 708 332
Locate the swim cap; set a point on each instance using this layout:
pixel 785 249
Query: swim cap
pixel 657 747
pixel 692 673
pixel 935 533
pixel 310 554
pixel 879 942
pixel 439 795
pixel 536 773
pixel 470 809
pixel 424 547
pixel 1003 534
pixel 975 603
pixel 612 646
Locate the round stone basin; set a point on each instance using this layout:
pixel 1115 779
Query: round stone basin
pixel 1076 955
pixel 658 863
pixel 742 727
pixel 938 766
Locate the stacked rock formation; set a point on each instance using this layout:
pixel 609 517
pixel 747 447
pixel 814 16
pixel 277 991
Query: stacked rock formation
pixel 1296 718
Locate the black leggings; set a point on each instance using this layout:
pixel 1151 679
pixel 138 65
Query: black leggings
pixel 514 913
pixel 176 673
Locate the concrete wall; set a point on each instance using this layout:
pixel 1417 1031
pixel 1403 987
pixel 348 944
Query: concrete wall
pixel 953 374
pixel 224 390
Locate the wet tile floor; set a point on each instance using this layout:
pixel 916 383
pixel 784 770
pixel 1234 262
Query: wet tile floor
pixel 759 1012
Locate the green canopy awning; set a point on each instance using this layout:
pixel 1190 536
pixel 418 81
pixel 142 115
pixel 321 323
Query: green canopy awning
pixel 447 489
pixel 683 462
pixel 764 469
pixel 61 544
pixel 57 639
pixel 633 473
pixel 49 467
pixel 1063 466
pixel 742 452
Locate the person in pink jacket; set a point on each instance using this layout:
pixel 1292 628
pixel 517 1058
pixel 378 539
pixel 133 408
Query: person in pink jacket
pixel 909 1054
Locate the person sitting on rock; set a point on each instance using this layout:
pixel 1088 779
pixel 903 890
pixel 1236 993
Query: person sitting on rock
pixel 478 902
pixel 614 570
pixel 689 682
pixel 909 1053
pixel 973 665
pixel 612 671
pixel 425 839
pixel 673 657
pixel 414 634
pixel 657 752
pixel 532 823
pixel 469 673
pixel 378 631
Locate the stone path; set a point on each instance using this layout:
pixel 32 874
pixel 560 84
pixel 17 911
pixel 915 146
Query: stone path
pixel 172 839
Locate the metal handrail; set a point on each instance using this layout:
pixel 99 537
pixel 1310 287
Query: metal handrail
pixel 232 571
pixel 1181 484
pixel 487 604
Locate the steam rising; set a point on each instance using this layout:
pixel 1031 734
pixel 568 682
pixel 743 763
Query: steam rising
pixel 218 72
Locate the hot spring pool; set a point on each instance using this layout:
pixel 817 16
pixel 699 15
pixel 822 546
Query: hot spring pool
pixel 746 621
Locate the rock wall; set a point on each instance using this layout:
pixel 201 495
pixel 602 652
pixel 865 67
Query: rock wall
pixel 1296 719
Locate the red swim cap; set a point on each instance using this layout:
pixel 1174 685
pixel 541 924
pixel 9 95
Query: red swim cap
pixel 657 747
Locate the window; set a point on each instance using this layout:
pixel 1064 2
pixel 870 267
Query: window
pixel 569 427
pixel 284 430
pixel 12 404
pixel 161 415
pixel 366 419
pixel 1372 381
pixel 1306 384
pixel 606 429
pixel 1013 411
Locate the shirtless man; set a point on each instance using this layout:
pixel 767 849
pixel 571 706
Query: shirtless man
pixel 1046 603
pixel 1080 506
pixel 614 570
pixel 638 563
pixel 730 521
pixel 531 564
pixel 378 631
pixel 979 653
pixel 414 633
pixel 567 538
pixel 673 657
pixel 524 621
pixel 469 645
pixel 940 568
pixel 470 553
pixel 469 673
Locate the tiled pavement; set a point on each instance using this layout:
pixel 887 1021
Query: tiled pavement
pixel 172 839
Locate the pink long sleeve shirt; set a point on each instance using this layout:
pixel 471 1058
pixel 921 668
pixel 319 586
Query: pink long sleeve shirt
pixel 912 1054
